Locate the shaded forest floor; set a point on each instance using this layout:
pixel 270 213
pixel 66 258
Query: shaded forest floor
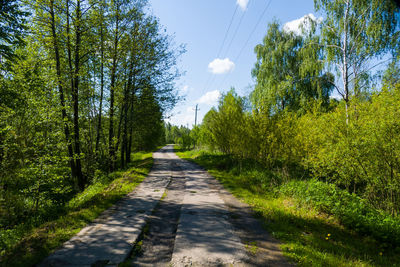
pixel 35 243
pixel 309 237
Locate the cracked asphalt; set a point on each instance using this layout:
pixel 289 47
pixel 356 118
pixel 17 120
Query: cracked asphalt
pixel 178 216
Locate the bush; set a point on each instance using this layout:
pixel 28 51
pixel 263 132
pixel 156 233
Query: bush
pixel 360 155
pixel 353 211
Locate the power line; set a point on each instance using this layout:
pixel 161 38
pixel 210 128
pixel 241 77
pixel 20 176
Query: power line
pixel 210 79
pixel 233 38
pixel 226 33
pixel 206 83
pixel 236 31
pixel 252 32
pixel 248 39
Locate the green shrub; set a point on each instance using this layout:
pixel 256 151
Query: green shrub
pixel 353 211
pixel 361 154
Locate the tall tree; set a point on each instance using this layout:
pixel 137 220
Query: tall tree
pixel 75 92
pixel 122 14
pixel 289 71
pixel 12 27
pixel 64 116
pixel 53 20
pixel 356 35
pixel 87 67
pixel 151 64
pixel 224 126
pixel 100 13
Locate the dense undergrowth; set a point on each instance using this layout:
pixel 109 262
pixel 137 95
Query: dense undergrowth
pixel 30 241
pixel 318 223
pixel 352 211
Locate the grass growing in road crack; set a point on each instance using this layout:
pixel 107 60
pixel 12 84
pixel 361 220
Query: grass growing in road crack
pixel 251 247
pixel 137 249
pixel 39 242
pixel 309 236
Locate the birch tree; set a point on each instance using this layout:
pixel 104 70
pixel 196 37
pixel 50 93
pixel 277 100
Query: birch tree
pixel 357 36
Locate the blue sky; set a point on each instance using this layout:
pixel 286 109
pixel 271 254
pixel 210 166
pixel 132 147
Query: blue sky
pixel 211 65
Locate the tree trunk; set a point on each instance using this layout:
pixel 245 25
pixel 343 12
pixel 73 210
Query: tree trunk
pixel 130 111
pixel 125 113
pixel 122 120
pixel 345 64
pixel 61 92
pixel 124 147
pixel 111 129
pixel 129 148
pixel 118 137
pixel 101 89
pixel 111 148
pixel 69 52
pixel 75 95
pixel 126 134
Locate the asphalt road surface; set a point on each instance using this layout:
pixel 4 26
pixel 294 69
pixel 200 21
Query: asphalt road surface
pixel 179 216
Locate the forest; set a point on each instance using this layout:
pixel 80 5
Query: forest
pixel 83 85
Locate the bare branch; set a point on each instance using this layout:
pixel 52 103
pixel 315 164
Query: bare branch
pixel 374 66
pixel 337 88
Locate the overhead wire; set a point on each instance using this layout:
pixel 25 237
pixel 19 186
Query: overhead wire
pixel 226 33
pixel 254 29
pixel 236 31
pixel 210 79
pixel 248 39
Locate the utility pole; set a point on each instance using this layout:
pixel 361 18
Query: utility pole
pixel 195 123
pixel 195 115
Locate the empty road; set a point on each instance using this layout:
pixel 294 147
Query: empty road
pixel 179 216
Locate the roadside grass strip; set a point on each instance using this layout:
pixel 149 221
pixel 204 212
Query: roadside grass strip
pixel 36 243
pixel 309 236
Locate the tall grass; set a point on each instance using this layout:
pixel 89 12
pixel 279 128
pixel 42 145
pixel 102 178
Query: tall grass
pixel 29 242
pixel 319 224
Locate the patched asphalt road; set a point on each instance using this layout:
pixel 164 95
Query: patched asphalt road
pixel 179 216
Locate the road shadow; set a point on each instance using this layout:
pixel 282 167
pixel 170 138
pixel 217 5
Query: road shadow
pixel 157 241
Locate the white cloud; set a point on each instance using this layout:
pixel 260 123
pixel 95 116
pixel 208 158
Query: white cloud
pixel 210 98
pixel 185 89
pixel 335 95
pixel 221 66
pixel 182 116
pixel 294 25
pixel 242 4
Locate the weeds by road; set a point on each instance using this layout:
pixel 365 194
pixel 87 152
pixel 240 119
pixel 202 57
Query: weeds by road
pixel 310 237
pixel 33 244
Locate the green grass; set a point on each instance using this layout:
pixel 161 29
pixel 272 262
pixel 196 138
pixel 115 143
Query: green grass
pixel 309 236
pixel 35 244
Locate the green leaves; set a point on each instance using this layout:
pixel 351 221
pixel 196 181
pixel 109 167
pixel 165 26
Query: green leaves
pixel 351 210
pixel 355 33
pixel 55 97
pixel 12 28
pixel 288 71
pixel 361 156
pixel 224 128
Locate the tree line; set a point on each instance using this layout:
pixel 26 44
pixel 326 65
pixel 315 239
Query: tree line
pixel 83 84
pixel 291 124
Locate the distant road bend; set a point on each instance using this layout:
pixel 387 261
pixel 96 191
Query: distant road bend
pixel 186 219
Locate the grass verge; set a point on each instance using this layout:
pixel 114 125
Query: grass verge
pixel 309 235
pixel 35 244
